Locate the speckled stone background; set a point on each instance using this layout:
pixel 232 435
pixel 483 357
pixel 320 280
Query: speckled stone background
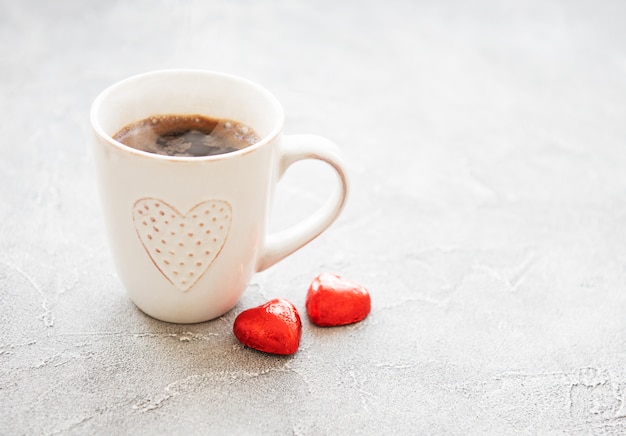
pixel 486 142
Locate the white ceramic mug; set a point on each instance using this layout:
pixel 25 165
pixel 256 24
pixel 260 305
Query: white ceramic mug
pixel 188 233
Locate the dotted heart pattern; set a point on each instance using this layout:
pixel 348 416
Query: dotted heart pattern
pixel 182 246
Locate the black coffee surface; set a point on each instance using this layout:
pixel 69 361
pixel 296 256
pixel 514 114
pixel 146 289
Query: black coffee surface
pixel 187 135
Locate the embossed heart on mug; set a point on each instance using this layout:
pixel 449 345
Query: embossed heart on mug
pixel 182 246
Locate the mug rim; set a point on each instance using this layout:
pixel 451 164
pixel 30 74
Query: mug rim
pixel 274 132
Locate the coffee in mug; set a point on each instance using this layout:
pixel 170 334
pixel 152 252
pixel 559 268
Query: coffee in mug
pixel 186 135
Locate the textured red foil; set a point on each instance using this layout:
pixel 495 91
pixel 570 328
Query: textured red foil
pixel 332 301
pixel 273 327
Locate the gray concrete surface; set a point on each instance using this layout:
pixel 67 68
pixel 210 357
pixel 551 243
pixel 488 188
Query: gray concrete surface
pixel 486 142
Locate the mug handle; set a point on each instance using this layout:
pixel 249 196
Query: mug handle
pixel 283 243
